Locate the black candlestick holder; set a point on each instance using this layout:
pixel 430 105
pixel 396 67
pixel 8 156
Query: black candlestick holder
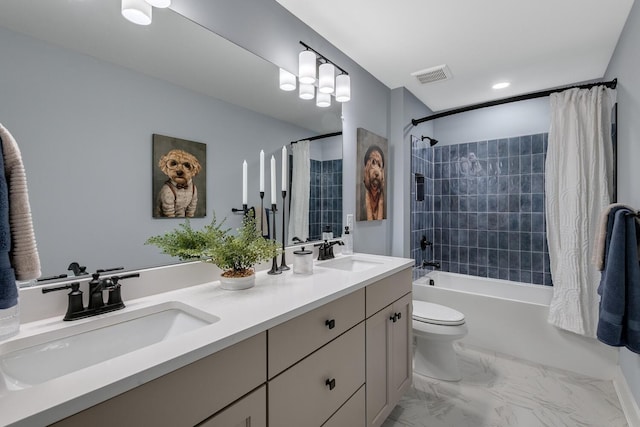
pixel 283 263
pixel 261 213
pixel 274 261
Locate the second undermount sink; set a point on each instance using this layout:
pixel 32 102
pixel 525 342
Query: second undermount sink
pixel 351 263
pixel 37 359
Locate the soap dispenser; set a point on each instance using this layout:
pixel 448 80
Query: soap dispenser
pixel 347 239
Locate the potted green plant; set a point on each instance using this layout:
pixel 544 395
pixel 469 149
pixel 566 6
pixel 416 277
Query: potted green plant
pixel 235 253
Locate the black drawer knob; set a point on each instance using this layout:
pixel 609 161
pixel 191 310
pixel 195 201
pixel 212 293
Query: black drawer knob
pixel 394 318
pixel 331 383
pixel 330 323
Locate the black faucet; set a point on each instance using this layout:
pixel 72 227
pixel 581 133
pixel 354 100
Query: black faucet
pixel 326 249
pixel 434 264
pixel 77 310
pixel 77 269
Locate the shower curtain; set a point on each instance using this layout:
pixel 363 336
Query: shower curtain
pixel 300 189
pixel 578 186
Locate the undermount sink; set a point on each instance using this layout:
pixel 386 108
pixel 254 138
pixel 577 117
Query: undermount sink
pixel 351 263
pixel 36 359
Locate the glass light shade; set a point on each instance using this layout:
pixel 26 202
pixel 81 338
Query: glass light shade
pixel 307 91
pixel 326 78
pixel 159 3
pixel 137 11
pixel 287 80
pixel 307 67
pixel 343 88
pixel 323 100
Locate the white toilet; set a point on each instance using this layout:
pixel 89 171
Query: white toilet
pixel 435 328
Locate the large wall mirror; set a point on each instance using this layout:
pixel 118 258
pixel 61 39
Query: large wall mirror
pixel 83 91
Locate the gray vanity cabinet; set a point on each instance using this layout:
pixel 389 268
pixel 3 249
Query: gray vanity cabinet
pixel 389 338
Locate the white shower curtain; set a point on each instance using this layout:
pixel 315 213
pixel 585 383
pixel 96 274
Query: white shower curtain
pixel 578 186
pixel 300 189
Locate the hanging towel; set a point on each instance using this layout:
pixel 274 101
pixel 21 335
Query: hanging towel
pixel 619 290
pixel 605 227
pixel 24 252
pixel 8 289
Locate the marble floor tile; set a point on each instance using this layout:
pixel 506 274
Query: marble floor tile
pixel 501 391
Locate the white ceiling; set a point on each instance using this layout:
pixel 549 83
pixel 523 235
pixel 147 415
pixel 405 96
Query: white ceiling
pixel 173 49
pixel 534 44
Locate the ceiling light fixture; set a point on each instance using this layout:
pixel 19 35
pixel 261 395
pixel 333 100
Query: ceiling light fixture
pixel 137 11
pixel 159 3
pixel 501 85
pixel 287 80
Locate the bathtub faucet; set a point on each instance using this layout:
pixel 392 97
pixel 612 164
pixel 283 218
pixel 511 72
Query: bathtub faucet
pixel 434 264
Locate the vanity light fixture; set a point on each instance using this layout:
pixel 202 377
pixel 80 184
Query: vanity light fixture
pixel 326 79
pixel 137 11
pixel 343 88
pixel 501 85
pixel 307 67
pixel 287 80
pixel 161 4
pixel 323 100
pixel 306 91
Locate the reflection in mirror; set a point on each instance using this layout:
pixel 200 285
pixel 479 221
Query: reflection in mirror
pixel 83 90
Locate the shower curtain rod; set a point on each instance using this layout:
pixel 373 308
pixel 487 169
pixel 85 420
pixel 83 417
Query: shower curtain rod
pixel 415 122
pixel 313 138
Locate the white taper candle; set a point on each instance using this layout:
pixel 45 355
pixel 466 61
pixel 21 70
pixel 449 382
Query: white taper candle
pixel 284 168
pixel 262 171
pixel 244 182
pixel 273 180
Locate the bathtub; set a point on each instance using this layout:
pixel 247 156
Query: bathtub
pixel 511 318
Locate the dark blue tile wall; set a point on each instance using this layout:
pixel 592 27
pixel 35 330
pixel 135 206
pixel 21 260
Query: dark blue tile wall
pixel 488 214
pixel 325 201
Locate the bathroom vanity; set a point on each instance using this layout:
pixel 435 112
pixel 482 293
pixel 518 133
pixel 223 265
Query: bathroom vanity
pixel 328 349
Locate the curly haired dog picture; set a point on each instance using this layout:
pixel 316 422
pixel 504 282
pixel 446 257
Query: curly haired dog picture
pixel 371 185
pixel 179 178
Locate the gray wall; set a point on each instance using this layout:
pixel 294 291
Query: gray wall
pixel 625 65
pixel 404 107
pixel 84 128
pixel 270 31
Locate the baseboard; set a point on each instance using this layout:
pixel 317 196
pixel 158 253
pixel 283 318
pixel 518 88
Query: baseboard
pixel 627 401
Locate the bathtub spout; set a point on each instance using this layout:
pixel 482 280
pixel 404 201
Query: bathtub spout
pixel 434 264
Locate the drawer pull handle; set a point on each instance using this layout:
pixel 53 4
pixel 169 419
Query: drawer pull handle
pixel 331 383
pixel 399 316
pixel 330 323
pixel 394 318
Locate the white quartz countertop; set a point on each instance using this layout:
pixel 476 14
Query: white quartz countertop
pixel 274 300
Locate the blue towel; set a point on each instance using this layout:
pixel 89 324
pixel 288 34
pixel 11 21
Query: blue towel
pixel 8 289
pixel 619 320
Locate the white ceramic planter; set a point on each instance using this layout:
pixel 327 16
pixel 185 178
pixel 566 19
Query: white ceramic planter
pixel 237 283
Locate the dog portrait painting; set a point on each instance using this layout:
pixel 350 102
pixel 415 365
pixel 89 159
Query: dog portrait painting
pixel 371 191
pixel 179 178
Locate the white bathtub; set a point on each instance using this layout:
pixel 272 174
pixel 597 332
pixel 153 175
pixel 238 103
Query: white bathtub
pixel 511 318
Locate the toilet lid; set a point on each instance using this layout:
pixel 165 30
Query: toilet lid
pixel 437 314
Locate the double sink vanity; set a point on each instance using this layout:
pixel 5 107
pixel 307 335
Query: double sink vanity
pixel 327 349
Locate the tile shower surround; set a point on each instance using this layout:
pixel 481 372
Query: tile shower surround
pixel 484 205
pixel 325 201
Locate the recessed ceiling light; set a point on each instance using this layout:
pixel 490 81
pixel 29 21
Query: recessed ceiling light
pixel 501 85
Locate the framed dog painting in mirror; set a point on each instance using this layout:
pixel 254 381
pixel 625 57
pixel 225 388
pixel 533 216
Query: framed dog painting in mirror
pixel 179 178
pixel 371 185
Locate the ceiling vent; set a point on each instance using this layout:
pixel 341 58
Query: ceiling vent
pixel 433 74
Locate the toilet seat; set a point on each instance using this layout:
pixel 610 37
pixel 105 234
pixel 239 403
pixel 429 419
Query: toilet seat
pixel 436 314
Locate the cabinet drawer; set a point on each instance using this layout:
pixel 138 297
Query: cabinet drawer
pixel 187 395
pixel 250 411
pixel 300 396
pixel 385 291
pixel 299 337
pixel 351 414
